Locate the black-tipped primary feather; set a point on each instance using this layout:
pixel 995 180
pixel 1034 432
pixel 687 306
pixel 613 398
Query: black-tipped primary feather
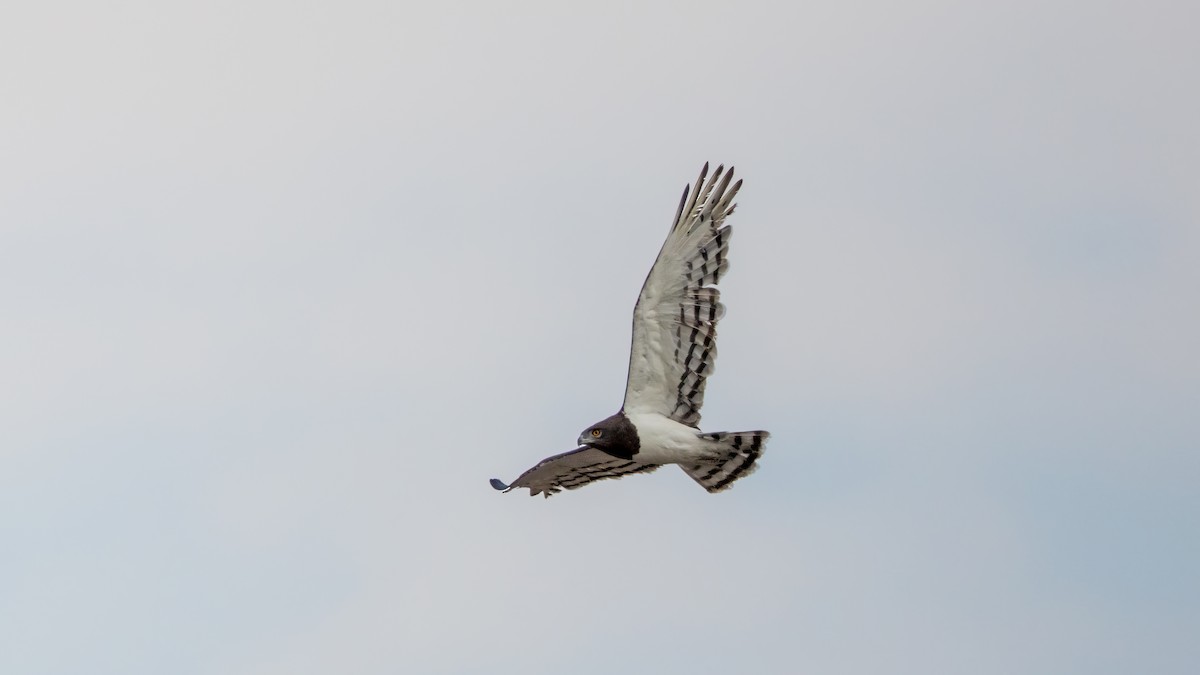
pixel 702 197
pixel 686 214
pixel 724 205
pixel 712 203
pixel 682 203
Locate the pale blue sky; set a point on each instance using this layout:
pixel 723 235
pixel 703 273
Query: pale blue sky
pixel 283 286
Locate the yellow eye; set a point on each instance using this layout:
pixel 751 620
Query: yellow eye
pixel 595 433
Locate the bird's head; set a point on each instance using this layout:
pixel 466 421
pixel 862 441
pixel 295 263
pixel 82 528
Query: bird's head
pixel 594 436
pixel 615 435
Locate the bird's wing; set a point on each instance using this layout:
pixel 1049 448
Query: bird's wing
pixel 573 469
pixel 675 320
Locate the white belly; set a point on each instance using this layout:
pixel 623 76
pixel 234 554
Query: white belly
pixel 665 441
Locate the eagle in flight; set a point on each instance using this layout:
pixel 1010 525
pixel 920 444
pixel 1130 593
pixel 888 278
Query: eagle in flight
pixel 674 348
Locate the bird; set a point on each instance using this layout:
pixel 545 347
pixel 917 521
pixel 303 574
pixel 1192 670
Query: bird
pixel 672 354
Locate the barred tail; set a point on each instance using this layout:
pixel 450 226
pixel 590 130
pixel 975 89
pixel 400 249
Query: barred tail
pixel 736 454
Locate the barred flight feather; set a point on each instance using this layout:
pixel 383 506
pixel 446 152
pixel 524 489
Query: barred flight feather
pixel 572 470
pixel 739 452
pixel 674 328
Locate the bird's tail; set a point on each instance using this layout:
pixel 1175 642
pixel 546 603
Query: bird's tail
pixel 735 454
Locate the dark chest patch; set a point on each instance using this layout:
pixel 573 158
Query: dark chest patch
pixel 620 438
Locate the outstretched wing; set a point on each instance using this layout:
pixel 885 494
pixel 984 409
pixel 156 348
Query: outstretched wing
pixel 675 319
pixel 573 469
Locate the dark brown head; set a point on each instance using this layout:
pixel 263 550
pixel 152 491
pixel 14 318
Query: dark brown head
pixel 615 435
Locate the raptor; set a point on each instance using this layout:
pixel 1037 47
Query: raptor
pixel 673 351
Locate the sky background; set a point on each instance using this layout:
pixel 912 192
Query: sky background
pixel 283 284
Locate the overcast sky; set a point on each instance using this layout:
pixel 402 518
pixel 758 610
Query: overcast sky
pixel 283 284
